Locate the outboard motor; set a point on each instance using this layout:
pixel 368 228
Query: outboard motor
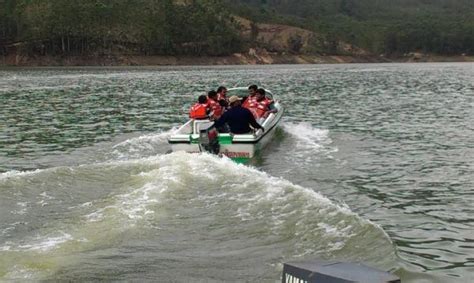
pixel 209 140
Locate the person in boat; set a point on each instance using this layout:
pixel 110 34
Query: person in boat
pixel 214 105
pixel 263 106
pixel 222 93
pixel 238 118
pixel 224 104
pixel 222 98
pixel 200 110
pixel 250 102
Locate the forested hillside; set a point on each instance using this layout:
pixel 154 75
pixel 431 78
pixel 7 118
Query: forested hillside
pixel 381 26
pixel 212 27
pixel 147 27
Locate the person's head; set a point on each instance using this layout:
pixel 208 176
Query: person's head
pixel 234 101
pixel 223 103
pixel 202 99
pixel 260 95
pixel 222 90
pixel 252 90
pixel 212 95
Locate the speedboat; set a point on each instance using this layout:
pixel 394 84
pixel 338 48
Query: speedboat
pixel 200 135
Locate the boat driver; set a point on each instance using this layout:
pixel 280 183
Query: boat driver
pixel 238 118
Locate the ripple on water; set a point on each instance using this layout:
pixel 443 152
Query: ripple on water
pixel 391 141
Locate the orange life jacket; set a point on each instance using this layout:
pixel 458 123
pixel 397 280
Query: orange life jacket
pixel 263 107
pixel 198 111
pixel 215 107
pixel 250 102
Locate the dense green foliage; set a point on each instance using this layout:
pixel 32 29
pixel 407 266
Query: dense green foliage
pixel 205 27
pixel 63 27
pixel 381 26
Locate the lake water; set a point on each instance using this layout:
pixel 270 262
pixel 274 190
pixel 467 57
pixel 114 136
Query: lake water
pixel 372 163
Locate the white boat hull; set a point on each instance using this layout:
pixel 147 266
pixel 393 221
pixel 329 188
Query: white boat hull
pixel 237 147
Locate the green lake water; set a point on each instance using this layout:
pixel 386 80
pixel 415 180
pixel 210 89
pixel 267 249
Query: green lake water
pixel 371 163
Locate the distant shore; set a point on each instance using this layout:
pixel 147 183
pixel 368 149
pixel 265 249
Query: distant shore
pixel 234 59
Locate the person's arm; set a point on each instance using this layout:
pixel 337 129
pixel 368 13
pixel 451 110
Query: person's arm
pixel 191 111
pixel 253 122
pixel 272 108
pixel 221 121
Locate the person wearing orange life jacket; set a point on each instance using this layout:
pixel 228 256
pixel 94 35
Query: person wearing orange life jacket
pixel 200 110
pixel 221 93
pixel 214 106
pixel 264 106
pixel 250 101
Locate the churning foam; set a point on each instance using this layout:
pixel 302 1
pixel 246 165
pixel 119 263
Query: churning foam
pixel 201 183
pixel 309 142
pixel 307 136
pixel 40 243
pixel 15 173
pixel 142 146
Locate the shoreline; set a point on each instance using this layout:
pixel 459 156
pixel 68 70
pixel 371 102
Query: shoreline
pixel 264 58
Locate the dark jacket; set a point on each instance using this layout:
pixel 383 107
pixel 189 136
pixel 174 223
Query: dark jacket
pixel 238 118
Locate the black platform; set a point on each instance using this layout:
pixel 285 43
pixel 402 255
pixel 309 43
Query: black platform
pixel 334 272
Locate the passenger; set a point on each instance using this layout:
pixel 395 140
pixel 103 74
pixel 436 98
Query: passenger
pixel 214 106
pixel 200 110
pixel 224 104
pixel 250 102
pixel 221 93
pixel 238 118
pixel 264 106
